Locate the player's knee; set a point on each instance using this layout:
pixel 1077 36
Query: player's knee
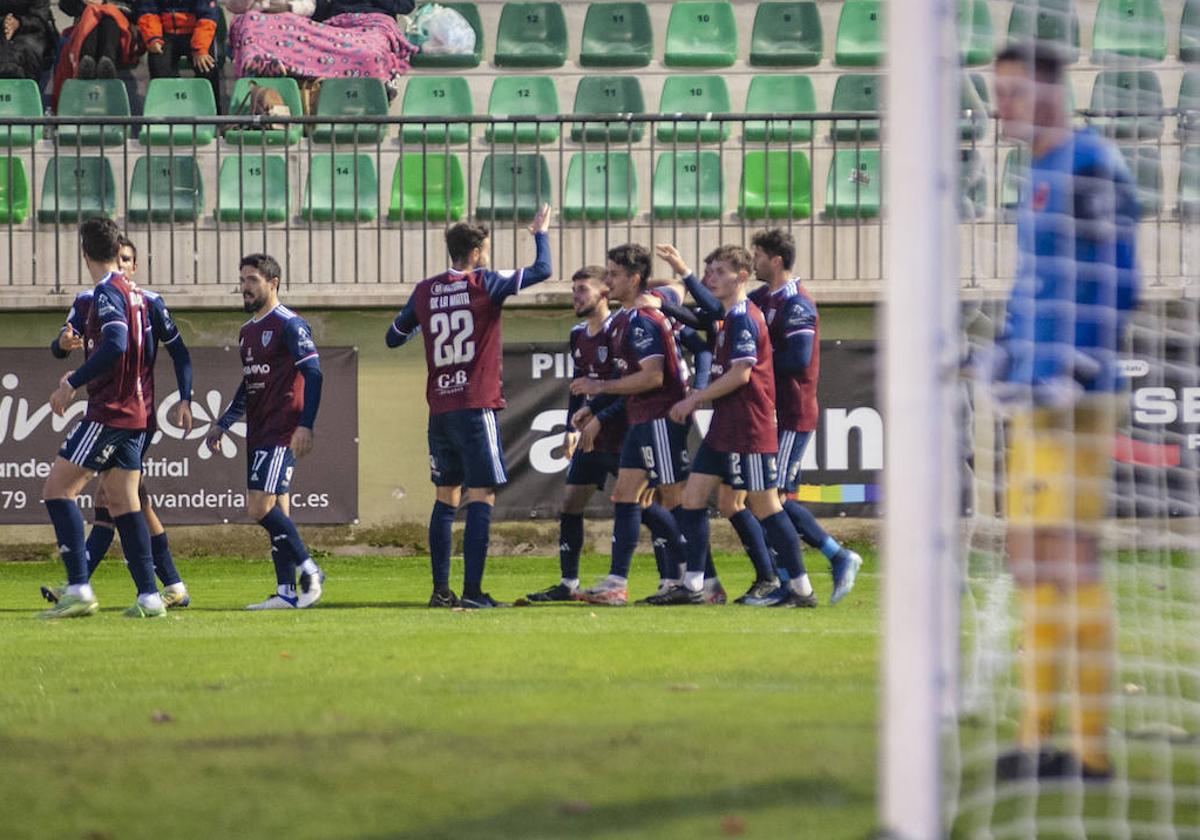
pixel 259 506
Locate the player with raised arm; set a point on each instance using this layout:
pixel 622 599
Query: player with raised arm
pixel 110 438
pixel 458 312
pixel 279 396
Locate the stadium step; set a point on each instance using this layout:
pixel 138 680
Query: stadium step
pixel 19 98
pixel 361 97
pixel 74 188
pixel 857 92
pixel 776 184
pixel 1132 28
pixel 601 186
pixel 522 96
pixel 975 33
pixel 609 95
pixel 436 62
pixel 1189 100
pixel 287 88
pixel 512 187
pixel 1189 183
pixel 1046 20
pixel 976 100
pixel 780 93
pixel 427 187
pixel 436 96
pixel 1016 176
pixel 972 184
pixel 341 187
pixel 860 34
pixel 93 98
pixel 617 35
pixel 694 95
pixel 786 35
pixel 701 35
pixel 165 188
pixel 1189 32
pixel 688 185
pixel 852 190
pixel 253 188
pixel 14 190
pixel 1145 165
pixel 178 98
pixel 1128 90
pixel 531 35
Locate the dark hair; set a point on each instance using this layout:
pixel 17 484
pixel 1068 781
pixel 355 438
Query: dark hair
pixel 735 256
pixel 634 258
pixel 1046 61
pixel 125 242
pixel 100 238
pixel 593 273
pixel 265 264
pixel 776 242
pixel 463 238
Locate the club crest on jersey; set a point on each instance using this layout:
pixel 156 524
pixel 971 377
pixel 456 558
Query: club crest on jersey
pixel 602 354
pixel 266 337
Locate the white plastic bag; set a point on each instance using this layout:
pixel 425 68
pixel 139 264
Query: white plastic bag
pixel 438 30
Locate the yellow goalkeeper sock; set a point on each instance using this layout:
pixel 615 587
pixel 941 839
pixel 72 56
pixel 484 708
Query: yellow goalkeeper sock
pixel 1094 643
pixel 1041 667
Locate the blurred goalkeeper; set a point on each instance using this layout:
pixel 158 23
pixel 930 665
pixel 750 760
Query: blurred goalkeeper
pixel 1056 371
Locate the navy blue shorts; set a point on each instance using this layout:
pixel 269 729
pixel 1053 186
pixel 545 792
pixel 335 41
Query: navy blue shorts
pixel 791 452
pixel 660 448
pixel 270 469
pixel 465 448
pixel 749 471
pixel 592 467
pixel 95 446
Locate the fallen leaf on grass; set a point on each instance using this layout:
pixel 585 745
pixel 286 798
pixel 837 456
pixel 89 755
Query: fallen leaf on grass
pixel 683 687
pixel 575 806
pixel 733 826
pixel 283 654
pixel 159 716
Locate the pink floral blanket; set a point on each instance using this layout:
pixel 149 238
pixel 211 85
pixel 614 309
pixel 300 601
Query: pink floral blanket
pixel 352 45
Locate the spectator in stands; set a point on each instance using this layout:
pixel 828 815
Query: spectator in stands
pixel 28 37
pixel 172 28
pixel 101 40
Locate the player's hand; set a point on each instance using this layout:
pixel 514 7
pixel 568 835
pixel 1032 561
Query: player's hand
pixel 213 439
pixel 69 340
pixel 302 441
pixel 62 396
pixel 683 409
pixel 11 25
pixel 671 256
pixel 180 416
pixel 585 387
pixel 203 62
pixel 587 438
pixel 570 441
pixel 541 222
pixel 580 418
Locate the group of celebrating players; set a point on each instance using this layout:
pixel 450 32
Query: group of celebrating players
pixel 755 357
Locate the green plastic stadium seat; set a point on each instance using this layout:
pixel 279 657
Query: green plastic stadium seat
pixel 523 96
pixel 600 186
pixel 616 35
pixel 1189 103
pixel 694 95
pixel 1016 176
pixel 434 62
pixel 74 188
pixel 253 188
pixel 701 35
pixel 972 184
pixel 688 185
pixel 975 33
pixel 178 98
pixel 14 190
pixel 531 35
pixel 609 95
pixel 1189 32
pixel 427 187
pixel 786 35
pixel 1146 167
pixel 341 187
pixel 1128 90
pixel 775 185
pixel 92 98
pixel 238 104
pixel 974 99
pixel 165 189
pixel 860 34
pixel 782 93
pixel 1046 20
pixel 852 190
pixel 437 96
pixel 857 92
pixel 1189 183
pixel 512 187
pixel 351 98
pixel 1134 28
pixel 19 98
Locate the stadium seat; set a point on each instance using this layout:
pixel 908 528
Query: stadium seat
pixel 1189 32
pixel 860 34
pixel 609 95
pixel 1128 90
pixel 531 35
pixel 852 190
pixel 512 187
pixel 1016 176
pixel 427 187
pixel 522 96
pixel 361 97
pixel 601 186
pixel 972 184
pixel 92 98
pixel 776 184
pixel 616 35
pixel 974 99
pixel 437 96
pixel 1133 28
pixel 701 35
pixel 1189 103
pixel 253 188
pixel 74 188
pixel 165 188
pixel 857 92
pixel 975 34
pixel 780 93
pixel 1189 183
pixel 1046 20
pixel 786 35
pixel 694 95
pixel 178 98
pixel 341 187
pixel 1146 167
pixel 432 62
pixel 688 185
pixel 14 190
pixel 238 104
pixel 19 98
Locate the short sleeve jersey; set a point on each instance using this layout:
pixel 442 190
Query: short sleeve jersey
pixel 273 348
pixel 790 311
pixel 744 421
pixel 115 396
pixel 593 359
pixel 639 335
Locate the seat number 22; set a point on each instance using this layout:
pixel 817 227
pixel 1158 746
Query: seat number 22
pixel 452 342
